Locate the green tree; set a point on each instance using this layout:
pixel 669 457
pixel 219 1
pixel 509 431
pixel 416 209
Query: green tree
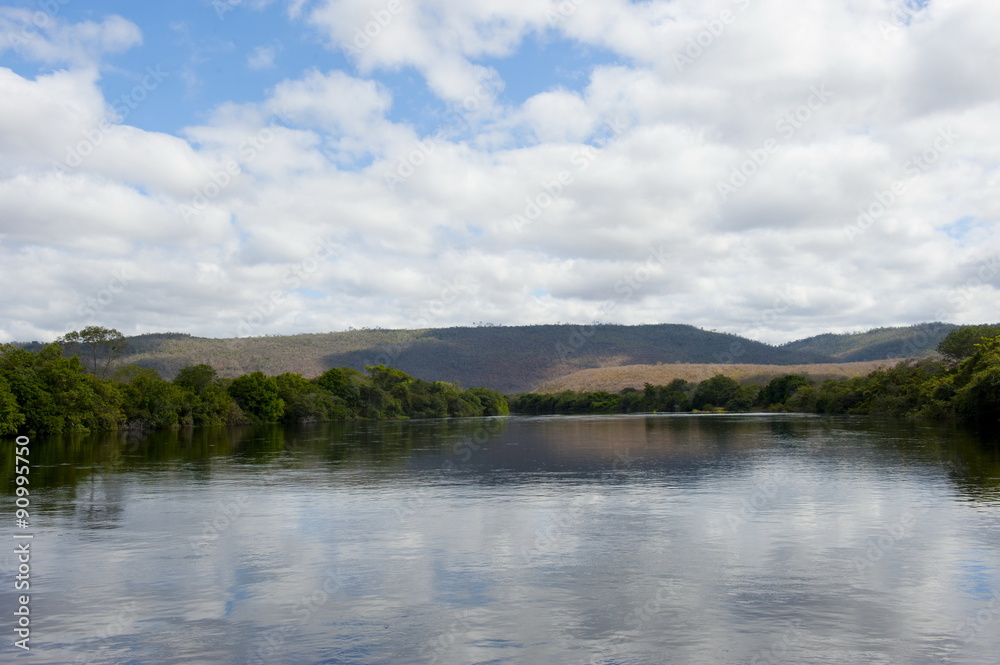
pixel 196 377
pixel 802 400
pixel 427 399
pixel 257 395
pixel 11 418
pixel 101 347
pixel 839 395
pixel 961 343
pixel 743 399
pixel 104 406
pixel 150 402
pixel 716 391
pixel 344 383
pixel 207 402
pixel 306 401
pixel 977 398
pixel 462 404
pixel 781 388
pixel 55 394
pixel 675 396
pixel 27 382
pixel 494 403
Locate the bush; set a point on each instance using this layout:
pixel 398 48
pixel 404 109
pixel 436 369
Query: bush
pixel 257 396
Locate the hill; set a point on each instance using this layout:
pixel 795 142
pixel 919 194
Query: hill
pixel 877 344
pixel 616 379
pixel 514 359
pixel 510 359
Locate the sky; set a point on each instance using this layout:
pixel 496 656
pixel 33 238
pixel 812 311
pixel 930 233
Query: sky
pixel 769 168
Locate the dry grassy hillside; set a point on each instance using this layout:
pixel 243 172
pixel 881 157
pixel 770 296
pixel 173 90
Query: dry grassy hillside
pixel 615 379
pixel 511 359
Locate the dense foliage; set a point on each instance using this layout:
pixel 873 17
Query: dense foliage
pixel 48 392
pixel 965 385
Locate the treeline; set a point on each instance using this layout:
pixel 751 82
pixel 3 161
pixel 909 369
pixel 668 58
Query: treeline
pixel 963 384
pixel 48 392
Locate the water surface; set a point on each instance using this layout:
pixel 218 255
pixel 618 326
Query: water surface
pixel 631 539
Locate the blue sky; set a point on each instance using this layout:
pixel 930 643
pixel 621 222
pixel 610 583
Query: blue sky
pixel 216 53
pixel 790 169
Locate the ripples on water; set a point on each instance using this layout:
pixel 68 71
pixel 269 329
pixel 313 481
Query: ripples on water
pixel 632 540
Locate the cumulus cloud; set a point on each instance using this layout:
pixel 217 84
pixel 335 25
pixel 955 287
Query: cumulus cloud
pixel 42 37
pixel 759 167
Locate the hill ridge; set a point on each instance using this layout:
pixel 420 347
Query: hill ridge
pixel 520 358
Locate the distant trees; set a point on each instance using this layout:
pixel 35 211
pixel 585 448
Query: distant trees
pixel 100 346
pixel 966 389
pixel 781 388
pixel 716 391
pixel 46 392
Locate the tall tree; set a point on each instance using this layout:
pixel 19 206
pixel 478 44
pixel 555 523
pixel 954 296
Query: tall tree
pixel 963 342
pixel 100 346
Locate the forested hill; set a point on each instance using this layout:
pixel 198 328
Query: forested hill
pixel 878 344
pixel 510 359
pixel 514 359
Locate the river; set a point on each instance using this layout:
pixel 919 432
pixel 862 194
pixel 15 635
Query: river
pixel 640 539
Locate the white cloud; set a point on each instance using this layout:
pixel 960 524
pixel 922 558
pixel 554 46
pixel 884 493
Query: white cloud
pixel 783 256
pixel 262 57
pixel 41 37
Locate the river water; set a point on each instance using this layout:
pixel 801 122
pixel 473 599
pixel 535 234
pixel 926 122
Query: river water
pixel 635 539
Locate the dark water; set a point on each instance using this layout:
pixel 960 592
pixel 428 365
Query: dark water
pixel 636 539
